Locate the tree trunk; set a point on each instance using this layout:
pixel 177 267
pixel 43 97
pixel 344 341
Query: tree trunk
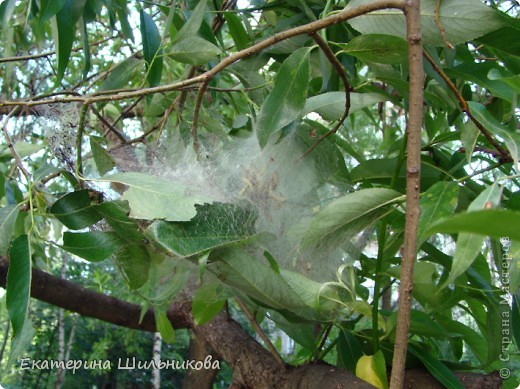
pixel 156 373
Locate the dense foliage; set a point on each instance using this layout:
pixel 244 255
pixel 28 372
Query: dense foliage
pixel 216 151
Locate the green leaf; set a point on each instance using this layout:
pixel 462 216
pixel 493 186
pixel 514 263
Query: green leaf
pixel 134 262
pixel 215 225
pixel 86 47
pixel 166 278
pixel 515 317
pixel 349 213
pixel 423 325
pixel 468 244
pixel 8 215
pixel 491 222
pixel 18 293
pixel 63 34
pixel 244 272
pixel 382 171
pixel 437 202
pixel 286 101
pixel 462 20
pixel 331 105
pixel 155 198
pixel 192 26
pixel 115 214
pixel 104 162
pixel 237 30
pixel 165 327
pixel 377 48
pixel 75 211
pixel 481 73
pixel 469 136
pixel 120 76
pixel 470 336
pixel 444 375
pixel 49 8
pixel 122 15
pixel 493 329
pixel 506 38
pixel 93 246
pixel 349 350
pixel 208 301
pixel 511 139
pixel 151 48
pixel 194 50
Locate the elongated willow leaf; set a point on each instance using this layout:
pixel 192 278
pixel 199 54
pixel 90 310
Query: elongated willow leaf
pixel 492 222
pixel 348 214
pixel 437 202
pixel 151 48
pixel 436 368
pixel 8 216
pixel 286 101
pixel 470 244
pixel 18 294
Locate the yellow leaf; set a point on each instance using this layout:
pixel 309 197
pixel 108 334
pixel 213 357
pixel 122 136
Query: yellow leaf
pixel 365 369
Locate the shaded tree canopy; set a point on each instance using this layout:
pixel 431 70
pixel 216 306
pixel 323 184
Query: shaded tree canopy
pixel 340 174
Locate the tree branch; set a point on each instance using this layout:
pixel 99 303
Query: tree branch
pixel 413 175
pixel 255 366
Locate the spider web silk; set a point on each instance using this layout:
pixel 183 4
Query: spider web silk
pixel 283 187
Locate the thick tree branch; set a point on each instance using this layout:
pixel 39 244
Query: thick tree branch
pixel 413 175
pixel 254 365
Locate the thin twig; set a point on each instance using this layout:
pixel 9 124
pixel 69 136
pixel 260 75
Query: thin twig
pixel 109 126
pixel 126 110
pixel 324 46
pixel 506 156
pixel 196 114
pixel 261 333
pixel 29 57
pixel 325 335
pixel 10 145
pixel 440 26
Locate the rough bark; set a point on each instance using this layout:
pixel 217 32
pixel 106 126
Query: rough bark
pixel 254 366
pixel 199 379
